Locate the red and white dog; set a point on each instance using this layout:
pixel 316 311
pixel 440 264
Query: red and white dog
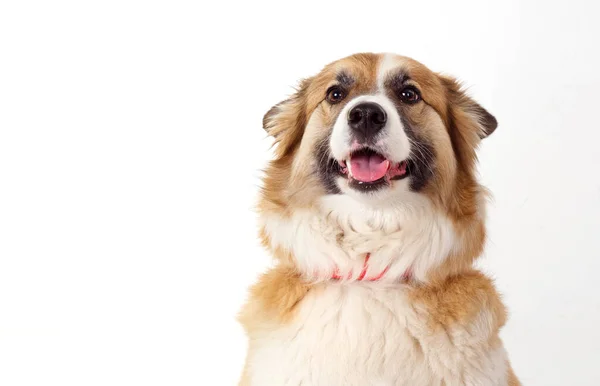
pixel 374 215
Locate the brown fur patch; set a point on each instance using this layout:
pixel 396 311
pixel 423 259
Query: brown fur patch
pixel 273 299
pixel 459 300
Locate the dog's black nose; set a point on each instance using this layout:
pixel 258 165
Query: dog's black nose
pixel 366 120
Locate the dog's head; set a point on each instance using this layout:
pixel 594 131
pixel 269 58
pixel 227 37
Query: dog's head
pixel 380 130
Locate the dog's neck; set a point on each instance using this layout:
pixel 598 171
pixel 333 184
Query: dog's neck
pixel 335 239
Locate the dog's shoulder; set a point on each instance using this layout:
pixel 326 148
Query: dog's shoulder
pixel 273 299
pixel 463 299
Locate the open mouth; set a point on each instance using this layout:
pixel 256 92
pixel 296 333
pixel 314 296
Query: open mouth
pixel 366 169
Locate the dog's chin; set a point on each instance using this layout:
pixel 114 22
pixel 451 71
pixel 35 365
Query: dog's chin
pixel 367 171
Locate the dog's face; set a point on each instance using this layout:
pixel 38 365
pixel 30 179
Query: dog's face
pixel 377 143
pixel 379 128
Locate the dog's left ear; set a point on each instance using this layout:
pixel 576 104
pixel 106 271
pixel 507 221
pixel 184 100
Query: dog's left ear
pixel 463 108
pixel 286 120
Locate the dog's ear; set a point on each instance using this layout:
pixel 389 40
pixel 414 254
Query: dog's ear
pixel 465 113
pixel 286 120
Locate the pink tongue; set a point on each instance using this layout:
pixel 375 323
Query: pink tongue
pixel 368 168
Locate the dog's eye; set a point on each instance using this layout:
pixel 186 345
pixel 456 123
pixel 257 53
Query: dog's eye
pixel 409 95
pixel 335 95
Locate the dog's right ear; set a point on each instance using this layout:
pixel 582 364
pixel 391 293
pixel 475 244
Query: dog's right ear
pixel 286 121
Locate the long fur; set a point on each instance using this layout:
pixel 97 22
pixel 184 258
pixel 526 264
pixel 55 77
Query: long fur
pixel 439 327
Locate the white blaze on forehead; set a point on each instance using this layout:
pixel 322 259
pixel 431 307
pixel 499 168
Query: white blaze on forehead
pixel 389 62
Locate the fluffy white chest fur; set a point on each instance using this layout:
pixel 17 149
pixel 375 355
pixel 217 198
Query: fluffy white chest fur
pixel 409 237
pixel 368 334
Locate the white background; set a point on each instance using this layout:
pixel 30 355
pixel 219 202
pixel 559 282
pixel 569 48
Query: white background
pixel 130 155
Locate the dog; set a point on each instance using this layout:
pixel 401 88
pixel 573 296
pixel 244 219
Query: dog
pixel 374 215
